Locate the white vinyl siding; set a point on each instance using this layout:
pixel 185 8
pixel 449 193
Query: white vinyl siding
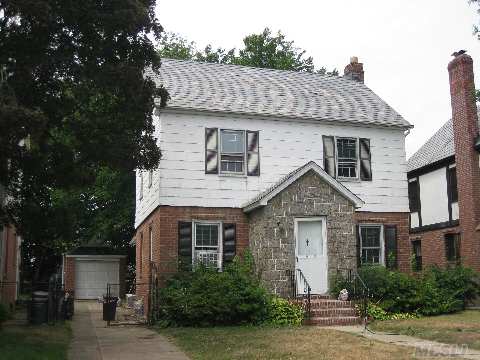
pixel 433 197
pixel 284 146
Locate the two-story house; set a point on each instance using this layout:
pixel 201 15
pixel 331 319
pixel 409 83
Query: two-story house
pixel 308 171
pixel 444 182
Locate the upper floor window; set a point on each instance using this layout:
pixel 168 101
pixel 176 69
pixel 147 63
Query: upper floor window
pixel 347 158
pixel 232 151
pixel 150 178
pixel 414 196
pixel 140 191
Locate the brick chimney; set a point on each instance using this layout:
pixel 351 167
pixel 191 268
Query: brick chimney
pixel 354 70
pixel 465 128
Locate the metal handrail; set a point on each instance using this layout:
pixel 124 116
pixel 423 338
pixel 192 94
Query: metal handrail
pixel 362 294
pixel 297 278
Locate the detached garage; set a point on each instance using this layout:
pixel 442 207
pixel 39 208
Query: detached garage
pixel 87 271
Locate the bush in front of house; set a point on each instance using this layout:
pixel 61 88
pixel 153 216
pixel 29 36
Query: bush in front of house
pixel 282 312
pixel 4 313
pixel 206 297
pixel 436 291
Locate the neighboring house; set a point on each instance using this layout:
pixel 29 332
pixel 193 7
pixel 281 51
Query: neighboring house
pixel 444 182
pixel 307 171
pixel 10 260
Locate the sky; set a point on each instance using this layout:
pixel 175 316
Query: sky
pixel 405 45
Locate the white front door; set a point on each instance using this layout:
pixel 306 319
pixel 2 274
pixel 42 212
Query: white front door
pixel 311 253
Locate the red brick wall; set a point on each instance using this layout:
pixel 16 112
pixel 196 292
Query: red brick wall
pixel 433 245
pixel 400 220
pixel 164 224
pixel 8 288
pixel 69 273
pixel 465 126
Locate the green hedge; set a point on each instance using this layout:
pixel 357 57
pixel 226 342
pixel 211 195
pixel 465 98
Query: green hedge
pixel 435 291
pixel 206 297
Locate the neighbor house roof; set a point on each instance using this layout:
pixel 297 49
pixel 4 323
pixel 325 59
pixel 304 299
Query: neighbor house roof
pixel 439 147
pixel 265 92
pixel 263 198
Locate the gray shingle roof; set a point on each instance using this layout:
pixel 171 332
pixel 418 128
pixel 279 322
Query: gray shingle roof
pixel 266 92
pixel 440 146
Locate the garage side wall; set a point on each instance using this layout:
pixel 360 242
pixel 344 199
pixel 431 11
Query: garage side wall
pixel 69 273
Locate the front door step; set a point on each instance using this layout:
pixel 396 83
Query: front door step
pixel 326 311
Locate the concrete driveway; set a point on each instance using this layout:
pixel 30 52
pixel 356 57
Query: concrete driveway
pixel 93 340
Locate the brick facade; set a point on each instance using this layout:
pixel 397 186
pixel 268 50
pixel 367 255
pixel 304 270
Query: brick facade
pixel 401 222
pixel 272 230
pixel 465 126
pixel 163 222
pixel 69 273
pixel 9 267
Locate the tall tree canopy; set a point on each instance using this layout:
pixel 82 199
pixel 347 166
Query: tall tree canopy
pixel 264 50
pixel 75 115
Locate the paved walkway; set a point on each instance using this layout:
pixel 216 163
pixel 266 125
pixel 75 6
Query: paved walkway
pixel 424 348
pixel 93 340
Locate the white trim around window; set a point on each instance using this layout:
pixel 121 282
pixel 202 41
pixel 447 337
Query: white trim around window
pixel 208 254
pixel 140 191
pixel 370 249
pixel 346 160
pixel 234 161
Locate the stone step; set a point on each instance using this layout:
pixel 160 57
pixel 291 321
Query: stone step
pixel 331 321
pixel 333 312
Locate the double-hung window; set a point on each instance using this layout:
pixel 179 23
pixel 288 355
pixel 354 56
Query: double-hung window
pixel 207 244
pixel 452 248
pixel 371 244
pixel 232 151
pixel 347 158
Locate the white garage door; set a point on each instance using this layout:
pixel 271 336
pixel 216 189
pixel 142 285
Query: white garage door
pixel 92 277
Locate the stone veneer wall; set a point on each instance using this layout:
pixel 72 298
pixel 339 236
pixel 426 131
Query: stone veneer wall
pixel 271 230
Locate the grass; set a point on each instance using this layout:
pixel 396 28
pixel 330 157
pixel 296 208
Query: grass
pixel 40 342
pixel 459 328
pixel 307 342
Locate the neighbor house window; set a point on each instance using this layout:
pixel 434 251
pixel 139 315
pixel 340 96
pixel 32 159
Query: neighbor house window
pixel 371 244
pixel 347 158
pixel 417 255
pixel 150 236
pixel 206 244
pixel 452 247
pixel 414 196
pixel 452 184
pixel 140 191
pixel 232 151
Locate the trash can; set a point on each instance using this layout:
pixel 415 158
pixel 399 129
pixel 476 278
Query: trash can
pixel 68 307
pixel 39 307
pixel 109 308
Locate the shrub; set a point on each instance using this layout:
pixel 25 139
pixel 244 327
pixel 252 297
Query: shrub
pixel 206 297
pixel 375 312
pixel 4 313
pixel 281 312
pixel 435 291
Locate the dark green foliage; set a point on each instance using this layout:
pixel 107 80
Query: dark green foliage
pixel 4 313
pixel 73 87
pixel 263 50
pixel 435 291
pixel 205 297
pixel 282 312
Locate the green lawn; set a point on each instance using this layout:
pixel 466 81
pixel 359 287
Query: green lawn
pixel 307 342
pixel 41 342
pixel 459 328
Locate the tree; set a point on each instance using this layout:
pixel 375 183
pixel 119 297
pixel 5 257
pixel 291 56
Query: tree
pixel 75 108
pixel 263 50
